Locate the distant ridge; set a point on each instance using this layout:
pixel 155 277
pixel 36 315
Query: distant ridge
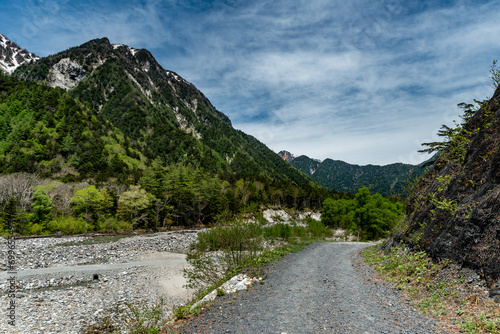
pixel 342 176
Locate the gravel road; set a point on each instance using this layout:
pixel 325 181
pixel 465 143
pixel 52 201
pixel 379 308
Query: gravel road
pixel 324 289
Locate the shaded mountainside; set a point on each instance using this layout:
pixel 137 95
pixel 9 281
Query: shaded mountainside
pixel 455 211
pixel 341 176
pixel 164 116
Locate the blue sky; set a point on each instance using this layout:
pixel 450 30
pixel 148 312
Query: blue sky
pixel 361 81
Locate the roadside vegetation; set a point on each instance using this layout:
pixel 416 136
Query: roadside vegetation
pixel 229 248
pixel 437 289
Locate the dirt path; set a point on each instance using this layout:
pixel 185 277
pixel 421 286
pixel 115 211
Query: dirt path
pixel 323 289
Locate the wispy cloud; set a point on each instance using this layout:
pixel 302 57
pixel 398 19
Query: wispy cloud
pixel 360 81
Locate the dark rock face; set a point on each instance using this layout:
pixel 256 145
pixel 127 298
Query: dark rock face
pixel 455 211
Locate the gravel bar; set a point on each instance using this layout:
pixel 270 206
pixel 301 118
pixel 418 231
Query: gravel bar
pixel 64 285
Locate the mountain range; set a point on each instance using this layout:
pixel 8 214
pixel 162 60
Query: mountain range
pixel 159 114
pixel 344 177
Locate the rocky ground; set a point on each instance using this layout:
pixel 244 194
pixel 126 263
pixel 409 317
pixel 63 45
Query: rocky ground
pixel 64 297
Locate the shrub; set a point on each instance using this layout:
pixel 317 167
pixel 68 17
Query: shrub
pixel 278 231
pixel 112 224
pixel 317 230
pixel 70 225
pixel 220 250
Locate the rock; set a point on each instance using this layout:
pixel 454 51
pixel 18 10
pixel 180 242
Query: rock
pixel 494 293
pixel 66 74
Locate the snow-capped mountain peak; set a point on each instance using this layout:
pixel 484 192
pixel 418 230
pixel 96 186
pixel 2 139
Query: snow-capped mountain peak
pixel 12 56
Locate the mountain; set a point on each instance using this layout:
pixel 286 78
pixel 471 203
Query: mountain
pixel 455 210
pixel 341 176
pixel 162 115
pixel 12 56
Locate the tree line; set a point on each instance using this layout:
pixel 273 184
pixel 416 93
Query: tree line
pixel 370 216
pixel 162 197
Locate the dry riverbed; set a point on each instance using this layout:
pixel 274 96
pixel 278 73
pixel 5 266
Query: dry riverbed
pixel 58 292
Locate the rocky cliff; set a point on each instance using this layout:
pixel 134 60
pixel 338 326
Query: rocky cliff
pixel 455 211
pixel 287 156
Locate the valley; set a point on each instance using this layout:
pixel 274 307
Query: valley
pixel 100 138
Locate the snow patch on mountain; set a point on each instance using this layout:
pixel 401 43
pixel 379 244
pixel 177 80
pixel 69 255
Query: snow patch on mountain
pixel 12 56
pixel 184 124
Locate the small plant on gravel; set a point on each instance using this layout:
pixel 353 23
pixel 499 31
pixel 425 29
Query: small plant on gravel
pixel 145 319
pixel 482 323
pixel 182 312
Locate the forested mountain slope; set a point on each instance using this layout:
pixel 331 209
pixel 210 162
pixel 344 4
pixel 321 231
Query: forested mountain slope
pixel 455 211
pixel 44 130
pixel 163 115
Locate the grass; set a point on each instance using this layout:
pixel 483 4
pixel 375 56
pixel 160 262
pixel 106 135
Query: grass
pixel 435 290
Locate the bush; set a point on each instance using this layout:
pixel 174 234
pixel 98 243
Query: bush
pixel 111 224
pixel 278 231
pixel 70 225
pixel 222 249
pixel 317 230
pixel 36 229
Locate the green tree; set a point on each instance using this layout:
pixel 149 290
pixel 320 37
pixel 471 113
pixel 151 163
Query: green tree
pixel 91 202
pixel 495 75
pixel 371 216
pixel 132 205
pixel 9 218
pixel 338 213
pixel 42 207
